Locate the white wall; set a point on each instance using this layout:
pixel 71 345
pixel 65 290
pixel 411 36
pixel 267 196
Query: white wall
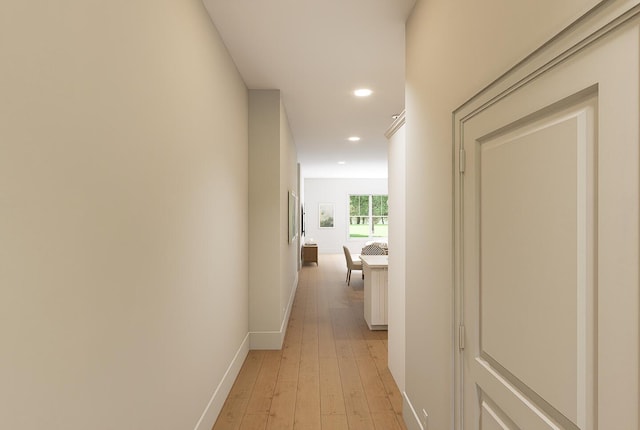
pixel 273 261
pixel 336 192
pixel 454 48
pixel 123 215
pixel 264 210
pixel 289 252
pixel 397 250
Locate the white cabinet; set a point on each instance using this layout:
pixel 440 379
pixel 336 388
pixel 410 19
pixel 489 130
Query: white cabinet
pixel 376 281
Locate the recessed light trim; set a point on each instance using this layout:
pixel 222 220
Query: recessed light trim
pixel 354 138
pixel 342 162
pixel 363 92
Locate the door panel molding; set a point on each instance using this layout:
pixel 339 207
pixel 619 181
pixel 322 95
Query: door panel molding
pixel 492 417
pixel 531 340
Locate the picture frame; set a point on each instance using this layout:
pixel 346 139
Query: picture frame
pixel 293 212
pixel 326 215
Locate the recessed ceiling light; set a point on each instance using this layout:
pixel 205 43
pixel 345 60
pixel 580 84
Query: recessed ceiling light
pixel 354 138
pixel 363 92
pixel 342 162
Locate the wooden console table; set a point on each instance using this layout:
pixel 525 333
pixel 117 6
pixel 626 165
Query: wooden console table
pixel 309 253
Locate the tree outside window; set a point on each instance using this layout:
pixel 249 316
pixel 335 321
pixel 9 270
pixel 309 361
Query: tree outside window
pixel 368 216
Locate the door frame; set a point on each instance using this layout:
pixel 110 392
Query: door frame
pixel 600 21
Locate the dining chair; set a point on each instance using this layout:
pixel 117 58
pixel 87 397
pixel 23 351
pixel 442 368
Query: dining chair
pixel 373 249
pixel 351 263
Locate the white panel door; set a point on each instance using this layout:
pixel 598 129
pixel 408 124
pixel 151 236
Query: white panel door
pixel 547 239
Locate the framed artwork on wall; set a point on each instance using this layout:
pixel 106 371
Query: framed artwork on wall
pixel 326 215
pixel 293 211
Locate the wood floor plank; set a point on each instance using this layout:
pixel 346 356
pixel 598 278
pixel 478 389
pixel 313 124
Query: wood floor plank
pixel 331 373
pixel 331 397
pixel 395 397
pixel 254 422
pixel 283 406
pixel 378 351
pixel 357 422
pixel 326 340
pixel 335 422
pixel 355 399
pixel 340 324
pixel 260 400
pixel 360 348
pixel 307 412
pixel 290 364
pixel 374 389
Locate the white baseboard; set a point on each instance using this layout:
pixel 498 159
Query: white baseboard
pixel 211 412
pixel 266 339
pixel 275 339
pixel 409 414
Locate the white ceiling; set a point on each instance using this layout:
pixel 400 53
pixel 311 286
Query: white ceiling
pixel 317 52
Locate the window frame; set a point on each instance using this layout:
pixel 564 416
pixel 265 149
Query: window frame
pixel 370 216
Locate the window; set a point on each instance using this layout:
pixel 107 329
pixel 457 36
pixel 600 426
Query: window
pixel 368 216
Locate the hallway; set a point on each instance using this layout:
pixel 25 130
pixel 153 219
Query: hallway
pixel 331 372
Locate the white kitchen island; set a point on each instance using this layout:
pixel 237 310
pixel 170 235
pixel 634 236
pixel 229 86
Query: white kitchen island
pixel 376 281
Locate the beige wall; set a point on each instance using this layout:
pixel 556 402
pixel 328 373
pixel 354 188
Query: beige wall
pixel 454 49
pixel 123 215
pixel 273 267
pixel 289 252
pixel 265 208
pixel 397 250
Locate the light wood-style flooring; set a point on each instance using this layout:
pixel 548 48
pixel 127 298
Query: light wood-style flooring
pixel 331 373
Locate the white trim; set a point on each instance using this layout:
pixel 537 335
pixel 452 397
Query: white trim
pixel 274 339
pixel 266 339
pixel 211 412
pixel 414 424
pixel 395 125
